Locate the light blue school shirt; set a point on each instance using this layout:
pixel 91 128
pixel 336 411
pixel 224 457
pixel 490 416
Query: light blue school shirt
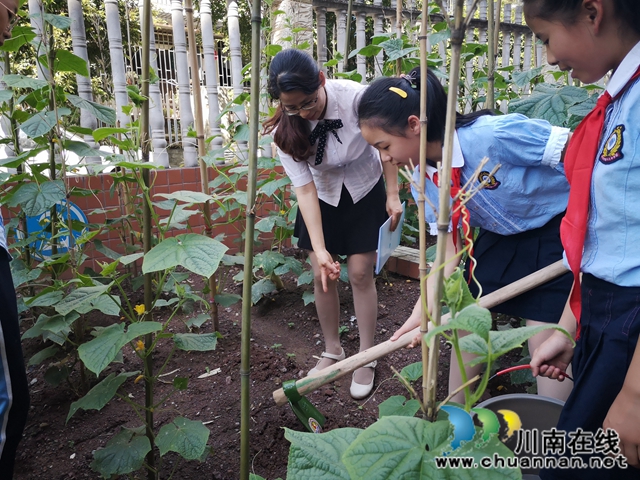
pixel 612 241
pixel 528 190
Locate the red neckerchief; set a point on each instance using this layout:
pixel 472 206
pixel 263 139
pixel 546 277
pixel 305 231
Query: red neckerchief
pixel 579 161
pixel 459 211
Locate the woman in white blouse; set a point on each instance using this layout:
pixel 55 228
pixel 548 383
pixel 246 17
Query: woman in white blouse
pixel 341 195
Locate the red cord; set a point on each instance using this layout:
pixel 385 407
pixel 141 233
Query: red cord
pixel 522 367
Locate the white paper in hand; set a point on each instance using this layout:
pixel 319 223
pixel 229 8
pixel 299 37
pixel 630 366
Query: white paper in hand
pixel 388 241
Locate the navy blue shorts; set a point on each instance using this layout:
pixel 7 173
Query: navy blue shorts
pixel 609 330
pixel 503 259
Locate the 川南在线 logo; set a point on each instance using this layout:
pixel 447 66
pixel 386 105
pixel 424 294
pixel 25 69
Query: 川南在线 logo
pixel 502 423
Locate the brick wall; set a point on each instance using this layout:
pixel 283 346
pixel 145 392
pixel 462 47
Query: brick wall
pixel 163 181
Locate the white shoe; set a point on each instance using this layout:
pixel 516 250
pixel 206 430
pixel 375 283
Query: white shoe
pixel 359 391
pixel 332 356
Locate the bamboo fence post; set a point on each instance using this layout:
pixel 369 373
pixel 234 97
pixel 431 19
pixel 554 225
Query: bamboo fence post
pixel 245 357
pixel 399 32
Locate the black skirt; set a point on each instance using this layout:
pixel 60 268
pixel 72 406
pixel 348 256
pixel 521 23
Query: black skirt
pixel 350 227
pixel 503 259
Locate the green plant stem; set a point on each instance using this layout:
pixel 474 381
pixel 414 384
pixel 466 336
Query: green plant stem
pixel 463 373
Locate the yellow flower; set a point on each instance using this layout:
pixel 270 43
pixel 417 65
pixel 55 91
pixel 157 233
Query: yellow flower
pixel 139 346
pixel 282 212
pixel 139 378
pixel 139 309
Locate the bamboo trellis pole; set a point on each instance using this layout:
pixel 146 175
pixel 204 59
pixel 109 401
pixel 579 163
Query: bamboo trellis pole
pixel 457 27
pixel 152 472
pixel 245 358
pixel 204 174
pixel 422 229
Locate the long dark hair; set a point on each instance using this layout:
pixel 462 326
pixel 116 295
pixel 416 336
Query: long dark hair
pixel 291 70
pixel 382 107
pixel 627 11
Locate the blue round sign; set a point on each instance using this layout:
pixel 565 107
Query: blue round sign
pixel 39 225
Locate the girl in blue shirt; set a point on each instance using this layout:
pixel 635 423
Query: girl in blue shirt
pixel 519 212
pixel 590 38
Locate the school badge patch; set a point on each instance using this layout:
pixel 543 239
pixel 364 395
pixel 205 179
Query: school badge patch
pixel 492 181
pixel 612 150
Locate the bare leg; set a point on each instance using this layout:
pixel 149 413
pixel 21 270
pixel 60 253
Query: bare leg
pixel 548 386
pixel 455 378
pixel 328 308
pixel 365 302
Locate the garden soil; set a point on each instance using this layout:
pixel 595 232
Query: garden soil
pixel 285 336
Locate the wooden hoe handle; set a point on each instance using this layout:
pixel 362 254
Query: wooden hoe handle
pixel 348 365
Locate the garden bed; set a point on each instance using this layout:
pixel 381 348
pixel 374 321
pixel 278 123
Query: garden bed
pixel 285 335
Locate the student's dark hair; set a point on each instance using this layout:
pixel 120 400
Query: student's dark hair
pixel 627 11
pixel 383 108
pixel 292 70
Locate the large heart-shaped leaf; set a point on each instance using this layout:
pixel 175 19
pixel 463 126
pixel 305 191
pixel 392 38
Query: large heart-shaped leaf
pixel 183 436
pixel 197 253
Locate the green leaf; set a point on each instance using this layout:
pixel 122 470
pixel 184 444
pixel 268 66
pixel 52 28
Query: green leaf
pixel 20 35
pixel 456 292
pixel 268 261
pixel 198 320
pixel 305 278
pixel 318 456
pixel 308 297
pixel 502 342
pixel 81 298
pixel 272 49
pixel 367 51
pixel 54 328
pixel 183 436
pixel 104 132
pixel 441 36
pixel 68 62
pixel 101 112
pixel 5 95
pixel 42 355
pixel 42 122
pixel 98 353
pixel 195 342
pixel 180 383
pixel 127 259
pixel 550 102
pixel 36 199
pixel 474 319
pixel 522 79
pixel 187 196
pixel 394 49
pixel 58 21
pixel 412 372
pixel 103 303
pixel 261 288
pixel 45 299
pixel 197 253
pixel 100 395
pixel 82 149
pixel 21 81
pixel 123 454
pixel 227 299
pixel 398 405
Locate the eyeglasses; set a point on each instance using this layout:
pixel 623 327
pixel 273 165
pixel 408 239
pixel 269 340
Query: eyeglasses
pixel 13 18
pixel 307 106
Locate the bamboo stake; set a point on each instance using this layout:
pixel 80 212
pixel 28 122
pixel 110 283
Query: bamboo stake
pixel 245 361
pixel 493 33
pixel 399 32
pixel 422 230
pixel 347 35
pixel 348 365
pixel 152 472
pixel 204 173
